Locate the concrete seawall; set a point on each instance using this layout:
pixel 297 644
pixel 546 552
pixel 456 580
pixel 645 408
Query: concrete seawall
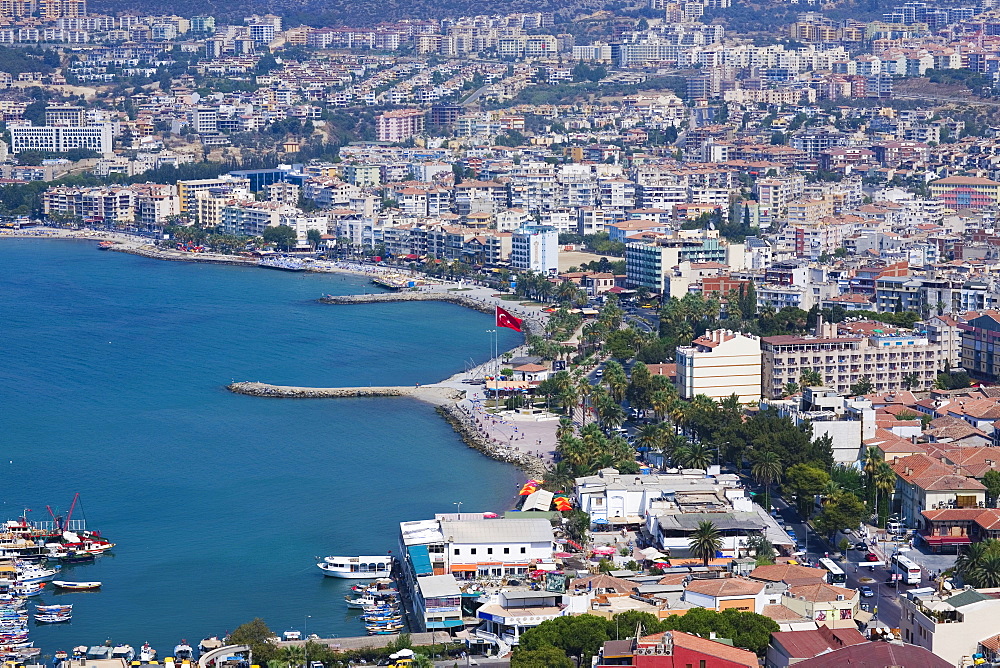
pixel 181 256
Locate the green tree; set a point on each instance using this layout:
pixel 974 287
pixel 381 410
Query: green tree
pixel 841 511
pixel 544 657
pixel 281 236
pixel 766 470
pixel 803 483
pixel 911 380
pixel 257 635
pixel 314 237
pixel 640 387
pixel 746 629
pixel 705 542
pixel 862 387
pixel 991 479
pixel 578 636
pixel 810 378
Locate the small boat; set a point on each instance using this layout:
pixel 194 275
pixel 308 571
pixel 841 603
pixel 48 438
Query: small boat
pixel 77 557
pixel 209 644
pixel 356 567
pixel 105 245
pixel 35 574
pixel 76 586
pixel 52 619
pixel 147 653
pixel 54 608
pixel 124 652
pixel 183 652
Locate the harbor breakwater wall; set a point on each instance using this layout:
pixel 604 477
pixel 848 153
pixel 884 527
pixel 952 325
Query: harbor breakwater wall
pixel 435 395
pixel 180 256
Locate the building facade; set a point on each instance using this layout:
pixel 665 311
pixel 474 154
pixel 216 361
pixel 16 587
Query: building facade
pixel 719 364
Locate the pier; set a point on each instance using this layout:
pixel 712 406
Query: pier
pixel 384 297
pixel 370 642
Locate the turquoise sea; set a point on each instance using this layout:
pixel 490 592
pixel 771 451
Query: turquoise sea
pixel 112 375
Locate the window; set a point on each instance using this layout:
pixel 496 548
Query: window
pixel 524 550
pixel 489 550
pixel 472 550
pixel 506 550
pixel 457 552
pixel 701 664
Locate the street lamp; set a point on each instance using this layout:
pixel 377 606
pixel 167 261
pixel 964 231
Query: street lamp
pixel 305 626
pixel 459 504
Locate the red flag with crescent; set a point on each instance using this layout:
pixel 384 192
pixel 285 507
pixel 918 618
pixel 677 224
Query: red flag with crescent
pixel 505 319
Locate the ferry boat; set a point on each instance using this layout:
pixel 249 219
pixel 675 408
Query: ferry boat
pixel 356 567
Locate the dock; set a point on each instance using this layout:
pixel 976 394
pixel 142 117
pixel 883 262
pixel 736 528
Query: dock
pixel 371 642
pixel 388 297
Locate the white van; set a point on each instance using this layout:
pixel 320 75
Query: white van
pixel 894 528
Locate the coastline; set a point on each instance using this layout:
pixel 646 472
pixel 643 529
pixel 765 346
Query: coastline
pixel 449 398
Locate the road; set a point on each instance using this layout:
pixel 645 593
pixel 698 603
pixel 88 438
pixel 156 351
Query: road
pixel 475 95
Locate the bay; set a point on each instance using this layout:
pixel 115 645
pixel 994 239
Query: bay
pixel 112 375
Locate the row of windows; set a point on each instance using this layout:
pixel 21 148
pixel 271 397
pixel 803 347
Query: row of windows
pixel 489 550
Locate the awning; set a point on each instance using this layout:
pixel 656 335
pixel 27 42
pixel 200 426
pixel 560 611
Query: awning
pixel 464 569
pixel 863 616
pixel 628 519
pixel 420 559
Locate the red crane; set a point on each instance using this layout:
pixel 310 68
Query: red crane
pixel 58 519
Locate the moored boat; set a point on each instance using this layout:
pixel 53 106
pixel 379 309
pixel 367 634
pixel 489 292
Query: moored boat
pixel 76 586
pixel 125 652
pixel 52 619
pixel 147 653
pixel 356 567
pixel 183 652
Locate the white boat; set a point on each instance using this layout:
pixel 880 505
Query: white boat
pixel 146 653
pixel 33 575
pixel 183 652
pixel 291 635
pixel 65 584
pixel 125 652
pixel 356 567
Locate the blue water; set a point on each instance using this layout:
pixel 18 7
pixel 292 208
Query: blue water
pixel 112 374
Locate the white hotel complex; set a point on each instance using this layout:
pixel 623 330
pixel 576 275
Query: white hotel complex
pixel 60 139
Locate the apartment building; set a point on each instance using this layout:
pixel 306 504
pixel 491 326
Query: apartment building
pixel 981 346
pixel 399 125
pixel 719 364
pixel 535 248
pixel 966 192
pixel 953 625
pixel 886 360
pixel 59 139
pixel 187 190
pixel 650 262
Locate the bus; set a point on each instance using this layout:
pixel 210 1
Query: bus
pixel 834 574
pixel 908 571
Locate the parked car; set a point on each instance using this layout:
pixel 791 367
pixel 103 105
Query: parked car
pixel 866 591
pixel 861 547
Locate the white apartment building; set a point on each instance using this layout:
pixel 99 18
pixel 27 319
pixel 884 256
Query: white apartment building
pixel 535 248
pixel 953 626
pixel 58 139
pixel 719 364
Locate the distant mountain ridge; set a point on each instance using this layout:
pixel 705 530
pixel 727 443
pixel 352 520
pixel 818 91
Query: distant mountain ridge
pixel 332 13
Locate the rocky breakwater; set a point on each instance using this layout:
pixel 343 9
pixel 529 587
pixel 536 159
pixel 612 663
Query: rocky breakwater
pixel 156 253
pixel 434 395
pixel 383 297
pixel 466 427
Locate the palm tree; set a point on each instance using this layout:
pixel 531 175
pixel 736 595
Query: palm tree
pixel 810 378
pixel 766 470
pixel 705 542
pixel 987 573
pixel 871 460
pixel 972 557
pixel 612 415
pixel 560 477
pixel 650 436
pixel 565 427
pixel 661 400
pixel 693 456
pixel 884 482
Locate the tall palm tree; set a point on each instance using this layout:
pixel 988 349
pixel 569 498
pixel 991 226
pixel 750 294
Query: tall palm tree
pixel 650 436
pixel 705 542
pixel 810 378
pixel 884 483
pixel 766 470
pixel 565 427
pixel 560 477
pixel 612 415
pixel 871 460
pixel 972 556
pixel 661 400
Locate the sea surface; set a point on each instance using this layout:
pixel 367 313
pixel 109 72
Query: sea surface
pixel 112 375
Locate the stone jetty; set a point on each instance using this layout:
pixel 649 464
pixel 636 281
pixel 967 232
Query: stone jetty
pixel 383 297
pixel 182 256
pixel 430 393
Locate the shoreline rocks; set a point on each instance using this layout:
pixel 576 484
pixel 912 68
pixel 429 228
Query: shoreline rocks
pixel 463 425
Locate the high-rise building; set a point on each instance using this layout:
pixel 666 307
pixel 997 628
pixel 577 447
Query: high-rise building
pixel 720 364
pixel 535 248
pixel 399 125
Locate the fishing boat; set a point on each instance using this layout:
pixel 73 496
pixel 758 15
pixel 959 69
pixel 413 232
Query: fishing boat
pixel 52 619
pixel 147 653
pixel 363 602
pixel 124 652
pixel 77 557
pixel 209 644
pixel 76 586
pixel 183 652
pixel 356 567
pixel 54 608
pixel 35 574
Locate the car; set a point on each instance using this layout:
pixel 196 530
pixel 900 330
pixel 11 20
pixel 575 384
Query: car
pixel 871 556
pixel 861 547
pixel 866 591
pixel 600 372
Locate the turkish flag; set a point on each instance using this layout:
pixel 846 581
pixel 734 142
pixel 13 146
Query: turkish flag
pixel 505 319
